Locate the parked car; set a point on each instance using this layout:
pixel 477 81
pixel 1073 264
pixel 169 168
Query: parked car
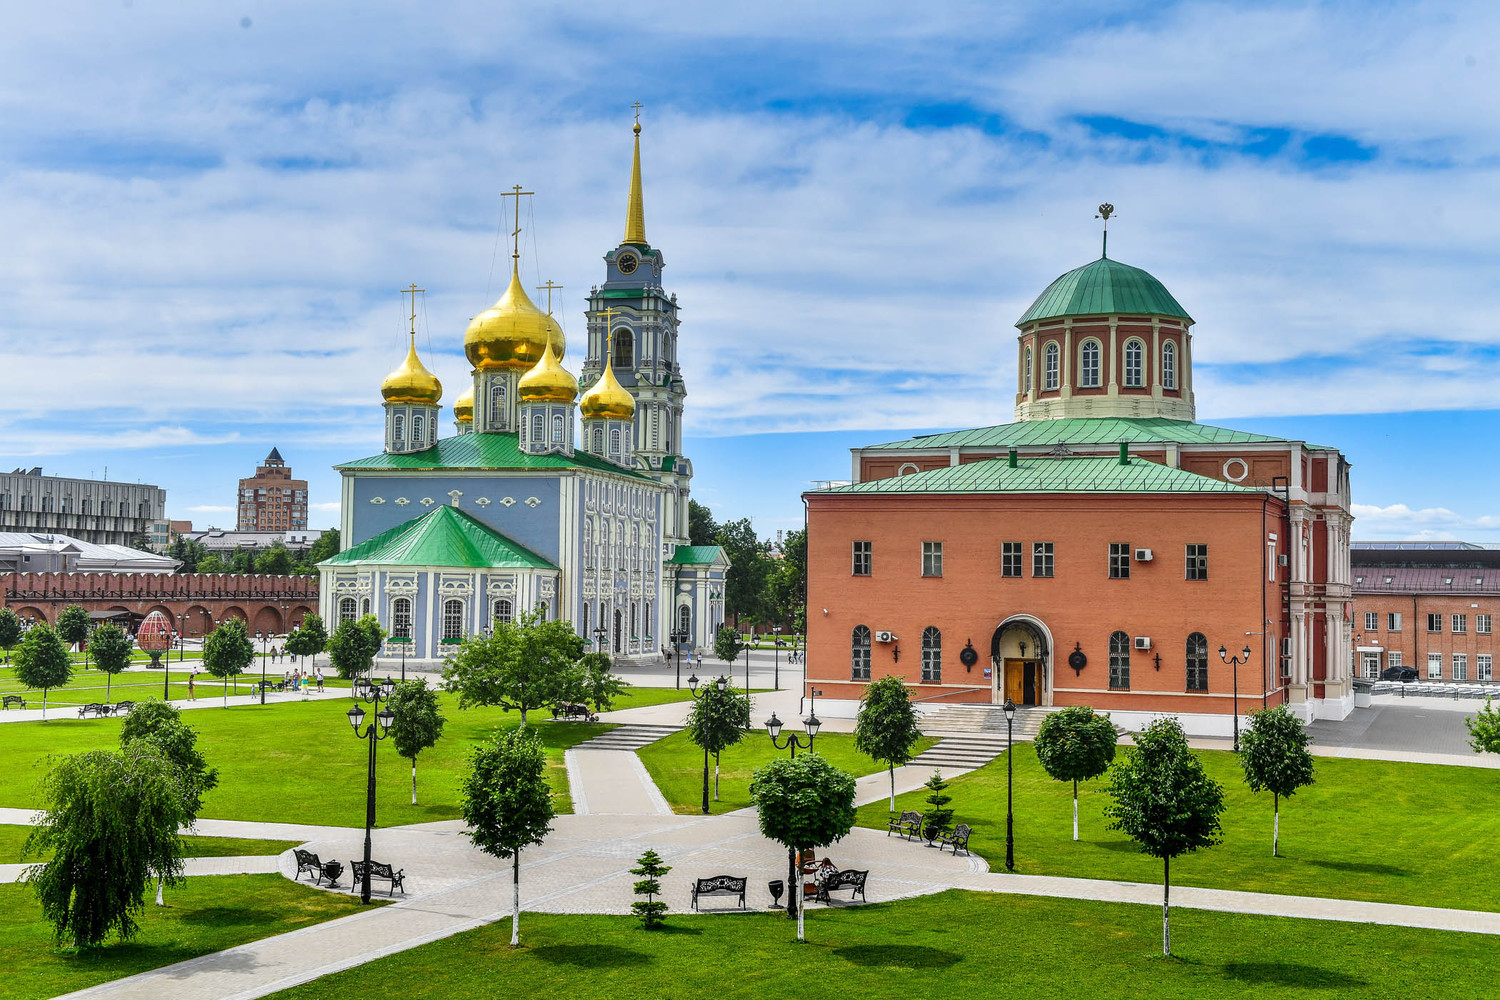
pixel 1399 674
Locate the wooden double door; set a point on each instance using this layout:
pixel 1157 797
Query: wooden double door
pixel 1023 682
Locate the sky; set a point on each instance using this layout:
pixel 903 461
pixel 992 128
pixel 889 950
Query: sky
pixel 210 208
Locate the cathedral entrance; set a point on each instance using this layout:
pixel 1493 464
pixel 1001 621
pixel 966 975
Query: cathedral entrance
pixel 1021 654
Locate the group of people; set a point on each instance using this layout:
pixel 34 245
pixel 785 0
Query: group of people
pixel 295 679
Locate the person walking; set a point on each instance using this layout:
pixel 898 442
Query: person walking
pixel 320 679
pixel 192 677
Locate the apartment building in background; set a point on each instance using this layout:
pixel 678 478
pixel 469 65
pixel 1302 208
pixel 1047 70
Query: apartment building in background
pixel 271 500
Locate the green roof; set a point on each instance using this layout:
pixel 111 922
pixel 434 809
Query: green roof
pixel 697 555
pixel 1082 431
pixel 1105 287
pixel 485 451
pixel 444 536
pixel 1048 474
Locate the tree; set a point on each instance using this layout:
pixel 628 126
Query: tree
pixel 1273 754
pixel 73 625
pixel 189 552
pixel 1484 729
pixel 159 726
pixel 702 528
pixel 935 818
pixel 43 662
pixel 1076 745
pixel 886 729
pixel 417 725
pixel 212 563
pixel 749 568
pixel 804 802
pixel 308 639
pixel 1163 800
pixel 242 561
pixel 353 645
pixel 111 648
pixel 326 547
pixel 111 822
pixel 727 644
pixel 649 910
pixel 274 561
pixel 10 631
pixel 507 803
pixel 524 665
pixel 596 682
pixel 717 721
pixel 787 582
pixel 227 652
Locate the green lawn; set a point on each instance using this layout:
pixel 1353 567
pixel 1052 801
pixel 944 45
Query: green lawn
pixel 296 762
pixel 971 946
pixel 13 838
pixel 1375 830
pixel 676 765
pixel 136 685
pixel 634 697
pixel 203 915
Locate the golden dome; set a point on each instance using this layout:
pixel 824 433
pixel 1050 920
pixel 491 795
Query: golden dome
pixel 412 382
pixel 548 382
pixel 607 399
pixel 512 332
pixel 463 406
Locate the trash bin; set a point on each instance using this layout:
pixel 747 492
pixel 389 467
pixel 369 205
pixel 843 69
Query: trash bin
pixel 1362 690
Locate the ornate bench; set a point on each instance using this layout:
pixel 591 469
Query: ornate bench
pixel 852 880
pixel 570 711
pixel 308 862
pixel 15 700
pixel 909 825
pixel 124 707
pixel 378 870
pixel 720 885
pixel 97 709
pixel 956 838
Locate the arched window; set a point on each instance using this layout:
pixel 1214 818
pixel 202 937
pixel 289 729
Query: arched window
pixel 588 542
pixel 453 619
pixel 417 430
pixel 1169 365
pixel 598 440
pixel 1119 661
pixel 1135 355
pixel 1026 372
pixel 537 430
pixel 1197 662
pixel 624 349
pixel 504 612
pixel 497 404
pixel 932 655
pixel 401 618
pixel 614 441
pixel 1088 365
pixel 1049 367
pixel 859 654
pixel 685 620
pixel 364 606
pixel 557 428
pixel 635 627
pixel 348 609
pixel 648 622
pixel 583 624
pixel 398 429
pixel 541 611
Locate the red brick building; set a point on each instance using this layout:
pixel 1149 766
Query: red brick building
pixel 272 500
pixel 1097 551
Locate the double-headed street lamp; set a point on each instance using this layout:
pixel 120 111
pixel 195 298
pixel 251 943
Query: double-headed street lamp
pixel 793 741
pixel 1010 774
pixel 719 685
pixel 1235 661
pixel 373 693
pixel 776 651
pixel 263 637
pixel 599 633
pixel 678 639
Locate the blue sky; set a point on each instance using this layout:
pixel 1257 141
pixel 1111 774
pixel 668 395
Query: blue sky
pixel 209 209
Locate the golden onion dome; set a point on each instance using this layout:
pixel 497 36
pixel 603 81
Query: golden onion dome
pixel 513 332
pixel 607 399
pixel 463 406
pixel 548 382
pixel 412 382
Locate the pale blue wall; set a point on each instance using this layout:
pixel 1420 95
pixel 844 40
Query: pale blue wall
pixel 534 527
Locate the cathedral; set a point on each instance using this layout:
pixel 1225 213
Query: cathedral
pixel 558 495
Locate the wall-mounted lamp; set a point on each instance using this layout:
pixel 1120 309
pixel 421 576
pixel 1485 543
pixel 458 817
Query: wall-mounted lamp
pixel 1158 661
pixel 825 611
pixel 1023 649
pixel 895 652
pixel 1077 660
pixel 968 656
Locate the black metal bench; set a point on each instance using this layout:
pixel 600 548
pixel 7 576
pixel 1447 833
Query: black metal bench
pixel 14 700
pixel 124 707
pixel 955 838
pixel 852 880
pixel 308 862
pixel 378 870
pixel 571 711
pixel 97 709
pixel 720 885
pixel 908 824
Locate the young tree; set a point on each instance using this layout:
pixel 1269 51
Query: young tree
pixel 1076 745
pixel 1273 754
pixel 717 721
pixel 417 725
pixel 159 726
pixel 804 802
pixel 227 652
pixel 212 563
pixel 525 665
pixel 311 638
pixel 43 662
pixel 353 645
pixel 111 822
pixel 935 818
pixel 111 648
pixel 727 644
pixel 1163 800
pixel 649 909
pixel 886 729
pixel 10 631
pixel 274 561
pixel 507 803
pixel 73 624
pixel 326 547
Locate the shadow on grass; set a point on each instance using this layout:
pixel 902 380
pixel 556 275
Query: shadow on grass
pixel 590 956
pixel 1289 974
pixel 898 956
pixel 1362 867
pixel 676 929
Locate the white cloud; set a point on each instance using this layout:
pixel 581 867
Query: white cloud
pixel 209 508
pixel 330 507
pixel 1400 521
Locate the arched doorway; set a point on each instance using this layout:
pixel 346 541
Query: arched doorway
pixel 1021 662
pixel 618 628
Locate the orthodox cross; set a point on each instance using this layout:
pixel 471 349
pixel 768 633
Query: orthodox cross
pixel 516 193
pixel 637 107
pixel 549 287
pixel 609 329
pixel 1105 211
pixel 412 291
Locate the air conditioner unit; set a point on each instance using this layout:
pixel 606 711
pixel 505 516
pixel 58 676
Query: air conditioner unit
pixel 1143 642
pixel 884 637
pixel 1142 555
pixel 1282 560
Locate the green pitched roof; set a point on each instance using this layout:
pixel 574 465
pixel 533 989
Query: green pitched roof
pixel 1048 475
pixel 1104 287
pixel 485 451
pixel 444 536
pixel 697 555
pixel 1082 431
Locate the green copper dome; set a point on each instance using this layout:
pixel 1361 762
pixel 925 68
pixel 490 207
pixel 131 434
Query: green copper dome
pixel 1102 288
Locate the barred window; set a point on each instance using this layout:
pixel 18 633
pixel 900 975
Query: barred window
pixel 685 620
pixel 1197 562
pixel 1119 560
pixel 932 655
pixel 1197 662
pixel 859 655
pixel 453 619
pixel 932 558
pixel 1041 559
pixel 505 612
pixel 864 557
pixel 348 609
pixel 401 618
pixel 1119 661
pixel 1010 558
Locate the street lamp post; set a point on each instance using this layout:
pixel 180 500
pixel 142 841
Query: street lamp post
pixel 373 693
pixel 1235 661
pixel 719 684
pixel 1010 773
pixel 599 633
pixel 166 671
pixel 773 729
pixel 776 651
pixel 262 636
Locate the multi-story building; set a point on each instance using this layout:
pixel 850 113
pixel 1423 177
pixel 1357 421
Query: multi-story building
pixel 1430 606
pixel 272 500
pixel 97 511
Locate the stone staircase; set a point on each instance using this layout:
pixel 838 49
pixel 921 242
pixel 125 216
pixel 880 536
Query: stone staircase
pixel 629 737
pixel 987 719
pixel 960 753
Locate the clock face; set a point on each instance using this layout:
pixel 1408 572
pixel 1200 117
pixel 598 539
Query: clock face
pixel 627 263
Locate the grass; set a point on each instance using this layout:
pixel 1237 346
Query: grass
pixel 13 838
pixel 676 765
pixel 137 684
pixel 1371 830
pixel 956 944
pixel 203 915
pixel 642 697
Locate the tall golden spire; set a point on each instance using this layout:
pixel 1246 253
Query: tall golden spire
pixel 635 212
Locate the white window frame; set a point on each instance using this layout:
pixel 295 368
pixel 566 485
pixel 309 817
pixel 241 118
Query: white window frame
pixel 453 629
pixel 1169 364
pixel 932 655
pixel 1393 621
pixel 1435 665
pixel 1135 363
pixel 1485 666
pixel 1460 666
pixel 1089 367
pixel 1050 367
pixel 1372 621
pixel 1460 624
pixel 932 559
pixel 1483 625
pixel 1393 658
